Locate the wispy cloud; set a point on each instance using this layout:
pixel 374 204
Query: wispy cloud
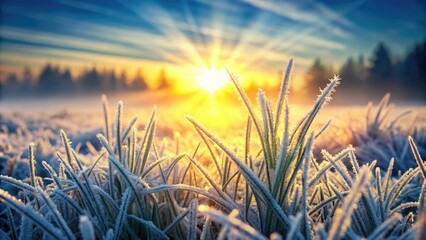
pixel 247 35
pixel 311 12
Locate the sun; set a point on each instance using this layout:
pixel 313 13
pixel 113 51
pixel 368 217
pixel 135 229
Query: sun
pixel 212 80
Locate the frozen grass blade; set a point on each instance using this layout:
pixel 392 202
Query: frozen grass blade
pixel 90 169
pixel 183 187
pixel 244 229
pixel 321 172
pixel 18 183
pixel 206 229
pixel 285 161
pixel 176 221
pixel 397 188
pixel 122 214
pixel 266 141
pixel 86 228
pixel 69 201
pixel 174 211
pixel 68 150
pixel 247 102
pixel 354 161
pixel 55 214
pixel 127 130
pixel 106 145
pixel 252 114
pixel 295 226
pixel 125 175
pixel 417 156
pixel 282 97
pixel 145 145
pixel 204 172
pixel 323 128
pixel 29 212
pixel 117 128
pixel 52 173
pixel 306 228
pixel 32 164
pixel 422 197
pixel 380 193
pixel 85 192
pixel 11 219
pixel 26 228
pixel 105 107
pixel 385 227
pixel 150 226
pixel 402 207
pixel 209 147
pixel 256 184
pixel 387 179
pixel 342 219
pixel 192 220
pixel 151 167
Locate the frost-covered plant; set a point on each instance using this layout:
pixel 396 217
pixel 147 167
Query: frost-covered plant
pixel 281 187
pixel 280 160
pixel 116 202
pixel 133 190
pixel 382 135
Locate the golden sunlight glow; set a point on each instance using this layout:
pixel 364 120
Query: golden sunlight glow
pixel 212 80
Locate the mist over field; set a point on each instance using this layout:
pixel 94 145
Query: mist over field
pixel 196 119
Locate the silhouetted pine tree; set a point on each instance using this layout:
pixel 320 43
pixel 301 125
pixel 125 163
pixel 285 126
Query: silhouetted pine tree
pixel 122 81
pixel 111 82
pixel 381 71
pixel 27 77
pixel 348 73
pixel 139 82
pixel 91 80
pixel 361 70
pixel 162 80
pixel 67 82
pixel 49 80
pixel 413 69
pixel 11 83
pixel 317 76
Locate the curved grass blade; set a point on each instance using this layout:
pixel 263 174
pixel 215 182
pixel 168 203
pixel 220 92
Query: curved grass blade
pixel 160 234
pixel 192 223
pixel 55 213
pixel 341 221
pixel 244 229
pixel 255 183
pixel 122 214
pixel 29 212
pixel 86 228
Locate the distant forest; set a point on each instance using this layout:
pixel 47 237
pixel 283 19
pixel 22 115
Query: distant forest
pixel 54 80
pixel 404 76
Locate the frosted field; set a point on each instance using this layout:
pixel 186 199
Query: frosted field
pixel 82 117
pixel 359 178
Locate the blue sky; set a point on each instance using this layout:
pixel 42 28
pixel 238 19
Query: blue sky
pixel 246 35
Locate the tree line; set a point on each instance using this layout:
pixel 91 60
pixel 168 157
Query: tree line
pixel 53 79
pixel 404 77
